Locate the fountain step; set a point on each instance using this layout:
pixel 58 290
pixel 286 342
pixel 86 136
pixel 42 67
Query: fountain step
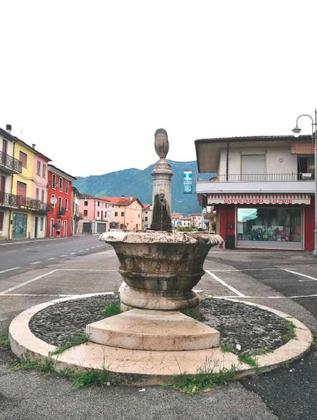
pixel 140 329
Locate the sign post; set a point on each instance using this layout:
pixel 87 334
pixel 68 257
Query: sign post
pixel 188 182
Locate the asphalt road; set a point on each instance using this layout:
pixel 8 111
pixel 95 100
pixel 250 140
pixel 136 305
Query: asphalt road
pixel 17 257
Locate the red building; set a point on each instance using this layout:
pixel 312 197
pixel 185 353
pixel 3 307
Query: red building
pixel 60 214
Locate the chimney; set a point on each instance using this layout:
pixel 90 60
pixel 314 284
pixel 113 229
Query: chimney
pixel 33 145
pixel 9 128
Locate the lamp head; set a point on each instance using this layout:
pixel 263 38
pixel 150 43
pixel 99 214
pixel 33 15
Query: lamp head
pixel 296 131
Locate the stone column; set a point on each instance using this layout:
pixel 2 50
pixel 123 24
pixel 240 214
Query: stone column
pixel 162 172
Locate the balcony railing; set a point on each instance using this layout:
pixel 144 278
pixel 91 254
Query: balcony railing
pixel 263 177
pixel 20 201
pixel 10 163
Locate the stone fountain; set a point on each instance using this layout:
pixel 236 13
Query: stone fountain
pixel 159 269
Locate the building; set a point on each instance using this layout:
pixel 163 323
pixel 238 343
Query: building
pixel 60 214
pixel 95 214
pixel 127 213
pixel 146 216
pixel 24 190
pixel 76 213
pixel 263 193
pixel 8 166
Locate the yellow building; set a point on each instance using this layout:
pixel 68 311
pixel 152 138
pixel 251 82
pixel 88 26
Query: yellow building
pixel 29 193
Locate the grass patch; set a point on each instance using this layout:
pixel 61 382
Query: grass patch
pixel 248 359
pixel 192 312
pixel 203 381
pixel 226 348
pixel 290 332
pixel 78 379
pixel 111 310
pixel 4 342
pixel 75 340
pixel 314 343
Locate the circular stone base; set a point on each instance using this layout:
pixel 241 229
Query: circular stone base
pixel 151 367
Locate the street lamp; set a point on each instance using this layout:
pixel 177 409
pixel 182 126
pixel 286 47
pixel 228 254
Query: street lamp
pixel 297 131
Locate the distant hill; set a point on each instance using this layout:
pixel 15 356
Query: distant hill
pixel 138 183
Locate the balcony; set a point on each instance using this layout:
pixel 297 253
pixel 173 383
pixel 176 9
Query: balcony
pixel 258 183
pixel 21 202
pixel 9 164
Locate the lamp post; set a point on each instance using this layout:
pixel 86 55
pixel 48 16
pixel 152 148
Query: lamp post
pixel 297 131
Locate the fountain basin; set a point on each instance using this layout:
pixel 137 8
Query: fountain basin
pixel 159 269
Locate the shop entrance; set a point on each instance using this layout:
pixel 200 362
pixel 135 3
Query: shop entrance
pixel 19 226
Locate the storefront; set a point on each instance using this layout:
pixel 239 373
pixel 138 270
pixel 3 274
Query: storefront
pixel 267 221
pixel 19 226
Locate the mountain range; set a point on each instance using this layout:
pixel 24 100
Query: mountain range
pixel 138 183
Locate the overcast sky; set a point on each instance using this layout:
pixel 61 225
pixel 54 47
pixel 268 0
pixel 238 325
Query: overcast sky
pixel 90 81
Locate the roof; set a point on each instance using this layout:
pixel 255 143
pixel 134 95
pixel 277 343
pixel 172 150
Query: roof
pixel 88 196
pixel 122 201
pixel 146 206
pixel 59 172
pixel 15 139
pixel 208 150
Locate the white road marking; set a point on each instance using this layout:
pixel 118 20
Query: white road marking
pixel 72 253
pixel 268 297
pixel 63 256
pixel 52 258
pixel 225 284
pixel 300 274
pixel 32 295
pixel 83 269
pixel 9 269
pixel 246 269
pixel 27 282
pixel 35 262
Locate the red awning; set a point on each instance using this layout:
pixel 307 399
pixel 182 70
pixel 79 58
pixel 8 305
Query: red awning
pixel 280 199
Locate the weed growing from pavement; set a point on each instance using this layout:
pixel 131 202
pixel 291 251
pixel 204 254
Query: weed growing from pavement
pixel 314 343
pixel 75 340
pixel 226 348
pixel 248 359
pixel 204 380
pixel 111 310
pixel 4 342
pixel 78 379
pixel 290 332
pixel 261 351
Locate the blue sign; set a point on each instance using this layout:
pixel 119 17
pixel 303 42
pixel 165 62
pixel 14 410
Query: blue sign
pixel 188 182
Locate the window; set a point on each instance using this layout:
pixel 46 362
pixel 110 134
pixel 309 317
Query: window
pixel 66 187
pixel 37 192
pixel 98 213
pixel 116 213
pixel 53 181
pixel 1 220
pixel 38 168
pixel 60 183
pixel 59 202
pixel 85 212
pixel 102 215
pixel 23 158
pixel 122 213
pixel 85 203
pixel 42 196
pixel 145 219
pixel 42 223
pixel 44 171
pixel 66 204
pixel 53 201
pixel 98 203
pixel 252 167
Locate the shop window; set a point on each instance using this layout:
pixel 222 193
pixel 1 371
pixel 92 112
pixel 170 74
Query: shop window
pixel 42 223
pixel 278 224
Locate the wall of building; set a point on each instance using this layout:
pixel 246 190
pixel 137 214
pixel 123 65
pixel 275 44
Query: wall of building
pixel 279 160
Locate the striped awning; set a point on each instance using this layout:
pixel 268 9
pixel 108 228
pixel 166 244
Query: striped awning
pixel 280 199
